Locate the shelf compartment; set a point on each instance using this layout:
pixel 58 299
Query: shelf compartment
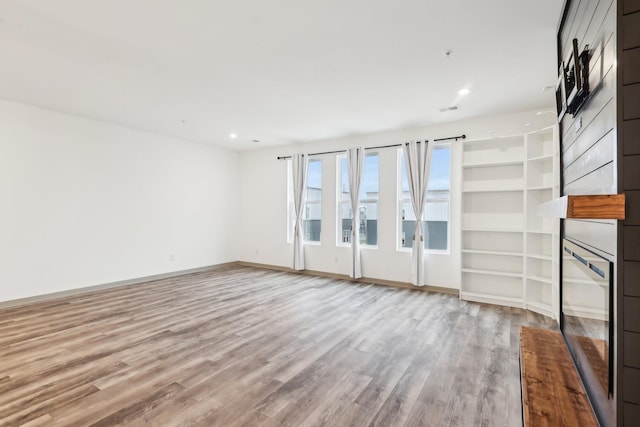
pixel 534 221
pixel 540 143
pixel 504 177
pixel 496 150
pixel 493 210
pixel 492 241
pixel 538 292
pixel 539 244
pixel 504 287
pixel 539 268
pixel 493 263
pixel 540 173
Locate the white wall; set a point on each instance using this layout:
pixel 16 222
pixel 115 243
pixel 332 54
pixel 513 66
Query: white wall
pixel 84 202
pixel 263 202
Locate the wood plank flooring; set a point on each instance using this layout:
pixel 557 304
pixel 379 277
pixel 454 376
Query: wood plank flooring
pixel 242 346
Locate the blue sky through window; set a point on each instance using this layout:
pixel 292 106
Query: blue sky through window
pixel 314 174
pixel 439 174
pixel 370 175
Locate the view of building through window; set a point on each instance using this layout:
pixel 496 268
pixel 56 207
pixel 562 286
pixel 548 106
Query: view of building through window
pixel 436 212
pixel 312 215
pixel 436 226
pixel 368 206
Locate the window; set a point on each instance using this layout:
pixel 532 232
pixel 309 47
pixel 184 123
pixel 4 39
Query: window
pixel 369 188
pixel 436 212
pixel 312 215
pixel 311 219
pixel 291 211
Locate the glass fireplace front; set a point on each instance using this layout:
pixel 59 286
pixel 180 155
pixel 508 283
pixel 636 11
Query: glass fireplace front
pixel 587 291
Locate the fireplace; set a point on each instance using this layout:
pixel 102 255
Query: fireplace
pixel 587 320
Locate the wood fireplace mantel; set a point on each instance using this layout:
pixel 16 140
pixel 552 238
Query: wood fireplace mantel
pixel 600 206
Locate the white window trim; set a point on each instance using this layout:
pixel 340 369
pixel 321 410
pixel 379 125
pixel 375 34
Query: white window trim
pixel 319 203
pixel 400 201
pixel 289 206
pixel 339 243
pixel 314 202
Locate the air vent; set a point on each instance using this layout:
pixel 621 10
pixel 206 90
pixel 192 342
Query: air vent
pixel 452 108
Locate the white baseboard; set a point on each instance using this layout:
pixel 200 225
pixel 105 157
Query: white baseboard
pixel 392 283
pixel 87 289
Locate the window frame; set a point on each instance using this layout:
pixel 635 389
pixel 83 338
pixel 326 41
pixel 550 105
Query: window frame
pixel 339 159
pixel 315 202
pixel 291 210
pixel 400 201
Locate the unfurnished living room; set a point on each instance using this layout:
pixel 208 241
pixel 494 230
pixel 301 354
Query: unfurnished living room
pixel 320 213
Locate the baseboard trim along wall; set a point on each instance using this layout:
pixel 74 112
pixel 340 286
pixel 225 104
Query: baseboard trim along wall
pixel 392 283
pixel 104 286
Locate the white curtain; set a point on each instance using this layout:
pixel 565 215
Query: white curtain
pixel 417 157
pixel 355 161
pixel 299 163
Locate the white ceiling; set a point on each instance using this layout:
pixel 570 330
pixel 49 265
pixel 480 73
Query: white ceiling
pixel 278 71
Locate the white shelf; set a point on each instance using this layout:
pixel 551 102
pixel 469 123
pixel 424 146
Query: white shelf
pixel 510 254
pixel 541 158
pixel 493 190
pixel 484 252
pixel 493 230
pixel 541 279
pixel 491 272
pixel 491 299
pixel 540 307
pixel 493 140
pixel 493 164
pixel 539 256
pixel 549 232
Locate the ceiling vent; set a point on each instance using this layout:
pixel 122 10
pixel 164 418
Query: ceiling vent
pixel 452 108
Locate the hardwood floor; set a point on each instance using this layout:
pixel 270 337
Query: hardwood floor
pixel 242 346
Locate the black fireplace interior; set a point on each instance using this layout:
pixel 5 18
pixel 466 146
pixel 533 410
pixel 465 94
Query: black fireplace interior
pixel 587 324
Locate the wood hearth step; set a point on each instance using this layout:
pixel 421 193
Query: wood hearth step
pixel 552 393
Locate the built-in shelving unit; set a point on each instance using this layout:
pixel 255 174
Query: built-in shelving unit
pixel 509 252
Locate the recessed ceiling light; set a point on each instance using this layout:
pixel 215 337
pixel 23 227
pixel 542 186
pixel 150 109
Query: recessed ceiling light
pixel 233 135
pixel 527 124
pixel 548 88
pixel 463 92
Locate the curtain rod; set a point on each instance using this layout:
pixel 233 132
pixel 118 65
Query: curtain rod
pixel 376 148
